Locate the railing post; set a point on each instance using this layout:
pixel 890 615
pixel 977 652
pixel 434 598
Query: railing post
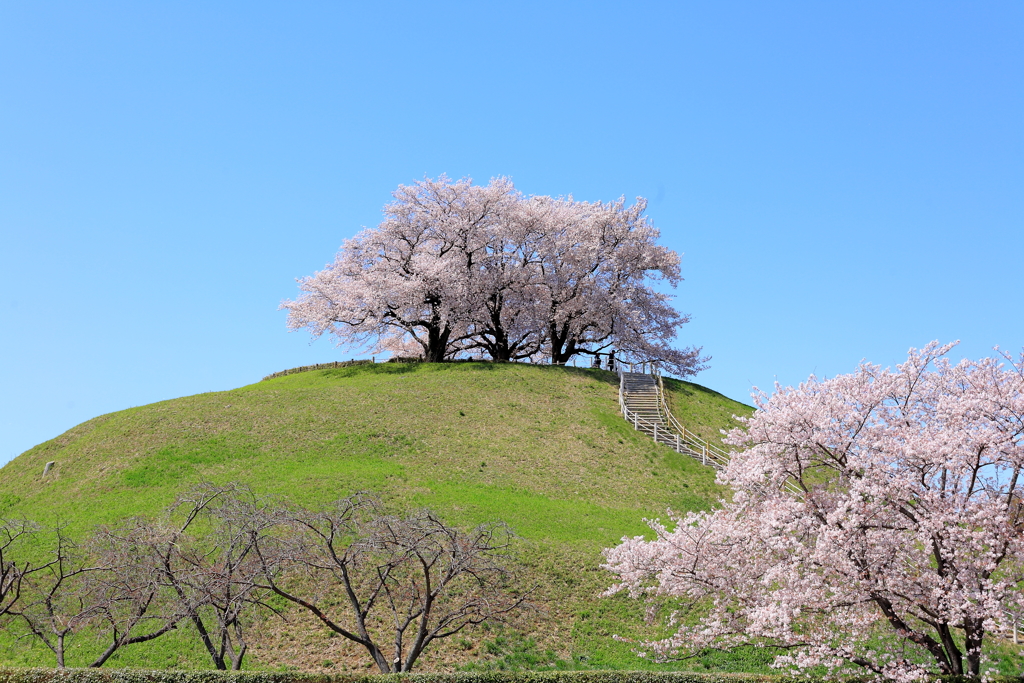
pixel 703 455
pixel 634 421
pixel 655 432
pixel 1015 629
pixel 678 448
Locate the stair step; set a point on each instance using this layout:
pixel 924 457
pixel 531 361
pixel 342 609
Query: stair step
pixel 642 398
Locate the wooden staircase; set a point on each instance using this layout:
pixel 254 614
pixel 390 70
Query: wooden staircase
pixel 642 401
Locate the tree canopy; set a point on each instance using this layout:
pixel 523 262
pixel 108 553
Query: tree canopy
pixel 457 269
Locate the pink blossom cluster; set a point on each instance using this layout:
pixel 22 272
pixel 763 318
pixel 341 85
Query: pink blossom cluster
pixel 457 269
pixel 904 549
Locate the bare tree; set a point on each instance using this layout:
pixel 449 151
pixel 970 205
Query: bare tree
pixel 57 602
pixel 13 571
pixel 215 574
pixel 142 579
pixel 406 582
pixel 104 586
pixel 136 582
pixel 131 602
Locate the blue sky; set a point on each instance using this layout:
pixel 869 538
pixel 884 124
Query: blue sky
pixel 846 180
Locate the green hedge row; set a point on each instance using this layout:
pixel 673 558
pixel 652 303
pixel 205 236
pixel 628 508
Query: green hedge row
pixel 143 676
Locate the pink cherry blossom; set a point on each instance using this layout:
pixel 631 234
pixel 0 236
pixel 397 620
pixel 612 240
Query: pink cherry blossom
pixel 905 547
pixel 457 268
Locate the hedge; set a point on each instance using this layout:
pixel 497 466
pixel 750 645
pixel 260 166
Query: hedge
pixel 144 676
pixel 172 676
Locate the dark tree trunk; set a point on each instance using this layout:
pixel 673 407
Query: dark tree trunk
pixel 218 659
pixel 496 338
pixel 562 347
pixel 499 348
pixel 437 343
pixel 975 633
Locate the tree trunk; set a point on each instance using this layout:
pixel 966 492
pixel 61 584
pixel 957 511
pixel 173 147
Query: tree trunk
pixel 236 658
pixel 564 354
pixel 437 344
pixel 499 349
pixel 59 651
pixel 218 660
pixel 953 653
pixel 379 659
pixel 974 634
pixel 562 348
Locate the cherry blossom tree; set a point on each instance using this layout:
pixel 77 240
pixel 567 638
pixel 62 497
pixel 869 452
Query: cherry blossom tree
pixel 407 281
pixel 504 298
pixel 456 267
pixel 597 262
pixel 904 547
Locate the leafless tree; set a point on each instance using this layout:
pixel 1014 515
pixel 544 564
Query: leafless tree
pixel 103 586
pixel 213 573
pixel 132 603
pixel 406 582
pixel 221 551
pixel 57 603
pixel 137 581
pixel 12 570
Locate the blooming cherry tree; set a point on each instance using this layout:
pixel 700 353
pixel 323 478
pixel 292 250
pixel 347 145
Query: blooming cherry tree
pixel 902 550
pixel 406 283
pixel 456 267
pixel 595 267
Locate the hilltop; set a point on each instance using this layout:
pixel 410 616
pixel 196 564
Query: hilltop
pixel 542 448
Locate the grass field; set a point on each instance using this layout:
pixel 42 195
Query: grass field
pixel 542 448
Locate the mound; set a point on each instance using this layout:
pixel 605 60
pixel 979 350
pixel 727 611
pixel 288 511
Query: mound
pixel 542 448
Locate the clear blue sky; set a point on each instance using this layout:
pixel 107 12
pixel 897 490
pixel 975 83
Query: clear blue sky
pixel 846 180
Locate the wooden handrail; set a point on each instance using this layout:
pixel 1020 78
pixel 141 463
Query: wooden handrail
pixel 685 441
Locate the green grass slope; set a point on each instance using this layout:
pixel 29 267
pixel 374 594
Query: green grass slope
pixel 542 448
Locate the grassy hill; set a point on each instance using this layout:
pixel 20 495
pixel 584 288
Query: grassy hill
pixel 542 448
